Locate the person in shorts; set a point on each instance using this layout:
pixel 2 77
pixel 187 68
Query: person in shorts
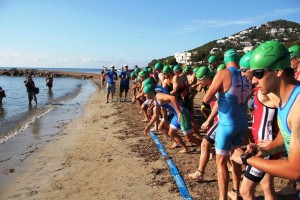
pixel 110 85
pixel 124 82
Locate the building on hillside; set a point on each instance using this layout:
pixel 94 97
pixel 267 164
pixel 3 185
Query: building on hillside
pixel 247 48
pixel 183 57
pixel 215 50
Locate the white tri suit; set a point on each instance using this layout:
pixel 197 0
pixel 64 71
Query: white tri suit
pixel 232 111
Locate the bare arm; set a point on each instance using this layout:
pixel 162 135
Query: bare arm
pixel 290 167
pixel 175 83
pixel 215 86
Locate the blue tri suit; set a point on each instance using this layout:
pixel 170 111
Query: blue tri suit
pixel 233 117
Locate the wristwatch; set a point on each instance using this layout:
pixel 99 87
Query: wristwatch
pixel 245 156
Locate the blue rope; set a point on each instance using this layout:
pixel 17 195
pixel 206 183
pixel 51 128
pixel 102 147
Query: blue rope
pixel 175 173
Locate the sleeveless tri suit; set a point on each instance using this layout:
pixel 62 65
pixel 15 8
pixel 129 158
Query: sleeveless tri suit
pixel 232 111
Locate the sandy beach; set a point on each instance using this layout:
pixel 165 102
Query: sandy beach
pixel 103 154
pixel 88 160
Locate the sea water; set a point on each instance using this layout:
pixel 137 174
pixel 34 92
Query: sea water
pixel 15 112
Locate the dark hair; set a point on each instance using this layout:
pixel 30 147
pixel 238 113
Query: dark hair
pixel 289 72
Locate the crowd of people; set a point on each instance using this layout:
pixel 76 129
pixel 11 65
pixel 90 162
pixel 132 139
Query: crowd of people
pixel 265 78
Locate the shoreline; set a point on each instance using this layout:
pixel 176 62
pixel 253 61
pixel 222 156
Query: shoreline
pixel 88 160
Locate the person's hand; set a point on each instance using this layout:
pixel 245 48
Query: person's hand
pixel 147 130
pixel 255 150
pixel 263 144
pixel 236 156
pixel 205 125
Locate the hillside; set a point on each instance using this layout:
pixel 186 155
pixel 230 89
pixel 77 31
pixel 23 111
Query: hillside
pixel 283 31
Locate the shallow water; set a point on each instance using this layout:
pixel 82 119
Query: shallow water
pixel 15 112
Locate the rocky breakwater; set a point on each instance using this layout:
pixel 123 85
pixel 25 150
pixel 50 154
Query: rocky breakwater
pixel 45 73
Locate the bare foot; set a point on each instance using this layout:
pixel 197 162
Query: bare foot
pixel 174 145
pixel 233 195
pixel 145 120
pixel 197 176
pixel 184 151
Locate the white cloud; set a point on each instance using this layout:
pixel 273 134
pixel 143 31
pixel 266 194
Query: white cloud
pixel 17 59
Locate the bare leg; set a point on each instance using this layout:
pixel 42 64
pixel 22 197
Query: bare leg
pixel 204 158
pixel 223 176
pixel 236 179
pixel 247 189
pixel 176 138
pixel 191 138
pixel 267 184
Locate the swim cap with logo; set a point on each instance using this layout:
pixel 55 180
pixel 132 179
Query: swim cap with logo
pixel 149 88
pixel 294 51
pixel 158 66
pixel 245 60
pixel 204 72
pixel 212 59
pixel 270 55
pixel 221 66
pixel 231 55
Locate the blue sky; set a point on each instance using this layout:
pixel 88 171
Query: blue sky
pixel 93 33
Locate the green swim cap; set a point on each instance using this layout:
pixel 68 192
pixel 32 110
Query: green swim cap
pixel 231 55
pixel 137 70
pixel 158 66
pixel 150 69
pixel 148 81
pixel 195 69
pixel 295 51
pixel 220 67
pixel 187 69
pixel 167 70
pixel 142 73
pixel 270 55
pixel 213 59
pixel 149 88
pixel 204 72
pixel 245 60
pixel 139 79
pixel 176 68
pixel 132 74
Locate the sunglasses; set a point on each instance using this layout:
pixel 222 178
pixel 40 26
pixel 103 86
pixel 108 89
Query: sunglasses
pixel 244 70
pixel 258 73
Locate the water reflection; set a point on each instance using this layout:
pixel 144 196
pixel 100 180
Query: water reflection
pixel 36 129
pixel 2 111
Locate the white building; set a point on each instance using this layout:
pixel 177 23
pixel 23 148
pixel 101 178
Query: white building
pixel 215 50
pixel 183 57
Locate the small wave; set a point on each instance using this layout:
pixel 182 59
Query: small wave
pixel 28 121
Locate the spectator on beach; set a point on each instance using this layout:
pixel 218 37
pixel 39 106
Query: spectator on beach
pixel 270 64
pixel 102 78
pixel 2 95
pixel 110 85
pixel 234 92
pixel 30 86
pixel 49 81
pixel 124 82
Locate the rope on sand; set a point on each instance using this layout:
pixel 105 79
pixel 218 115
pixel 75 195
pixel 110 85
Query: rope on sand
pixel 175 173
